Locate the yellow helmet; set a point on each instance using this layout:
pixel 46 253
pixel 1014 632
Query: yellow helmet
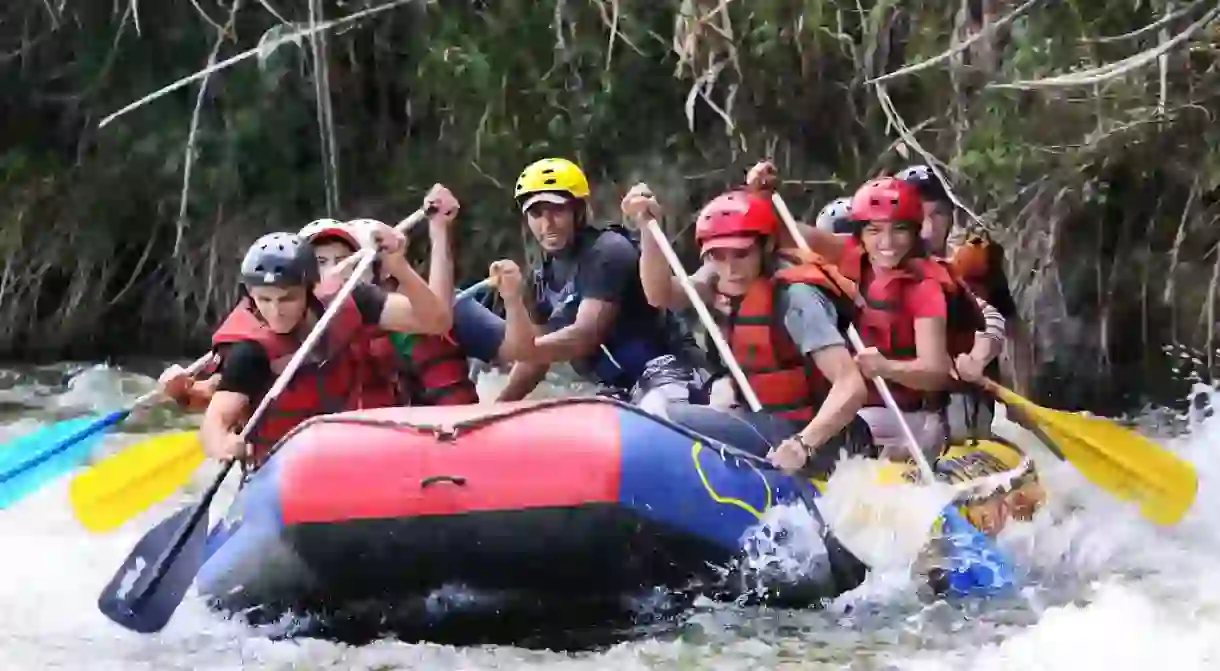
pixel 552 174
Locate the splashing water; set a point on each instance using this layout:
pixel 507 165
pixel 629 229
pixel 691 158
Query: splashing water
pixel 1102 588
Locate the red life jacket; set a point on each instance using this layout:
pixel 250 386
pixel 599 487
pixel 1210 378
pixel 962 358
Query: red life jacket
pixel 971 262
pixel 786 383
pixel 884 323
pixel 441 373
pixel 334 378
pixel 383 369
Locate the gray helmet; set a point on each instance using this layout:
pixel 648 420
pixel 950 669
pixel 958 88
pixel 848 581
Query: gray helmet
pixel 922 178
pixel 280 260
pixel 836 217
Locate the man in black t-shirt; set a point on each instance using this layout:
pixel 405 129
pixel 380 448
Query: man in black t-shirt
pixel 589 308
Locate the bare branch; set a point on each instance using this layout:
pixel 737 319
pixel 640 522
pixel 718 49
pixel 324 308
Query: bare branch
pixel 188 159
pixel 229 62
pixel 1113 70
pixel 1167 296
pixel 1164 21
pixel 895 120
pixel 988 31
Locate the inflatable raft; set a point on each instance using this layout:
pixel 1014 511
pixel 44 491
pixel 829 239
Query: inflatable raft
pixel 575 498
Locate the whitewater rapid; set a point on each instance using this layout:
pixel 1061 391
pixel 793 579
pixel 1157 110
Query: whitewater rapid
pixel 1103 588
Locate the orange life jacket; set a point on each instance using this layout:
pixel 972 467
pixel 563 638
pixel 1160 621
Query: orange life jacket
pixel 441 373
pixel 886 325
pixel 334 378
pixel 972 263
pixel 786 382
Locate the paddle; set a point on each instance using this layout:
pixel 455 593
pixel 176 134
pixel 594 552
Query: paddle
pixel 125 484
pixel 31 461
pixel 976 565
pixel 1118 460
pixel 845 566
pixel 113 491
pixel 146 590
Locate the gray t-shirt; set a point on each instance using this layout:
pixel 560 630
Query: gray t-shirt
pixel 809 317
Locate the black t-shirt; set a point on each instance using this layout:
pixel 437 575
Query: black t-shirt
pixel 607 268
pixel 245 368
pixel 996 283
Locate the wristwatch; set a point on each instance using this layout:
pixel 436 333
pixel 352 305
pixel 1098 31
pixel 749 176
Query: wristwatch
pixel 800 439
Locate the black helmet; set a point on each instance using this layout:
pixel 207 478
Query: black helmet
pixel 279 260
pixel 922 178
pixel 836 217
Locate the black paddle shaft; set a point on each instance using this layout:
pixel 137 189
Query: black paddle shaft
pixel 147 589
pixel 120 601
pixel 197 515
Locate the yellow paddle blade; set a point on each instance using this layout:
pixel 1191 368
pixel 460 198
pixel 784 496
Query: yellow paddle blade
pixel 1120 461
pixel 125 484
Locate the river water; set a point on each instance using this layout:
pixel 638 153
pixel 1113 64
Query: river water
pixel 1102 588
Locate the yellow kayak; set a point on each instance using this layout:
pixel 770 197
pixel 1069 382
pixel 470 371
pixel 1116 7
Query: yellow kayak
pixel 959 463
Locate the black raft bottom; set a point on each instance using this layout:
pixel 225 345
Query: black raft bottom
pixel 561 578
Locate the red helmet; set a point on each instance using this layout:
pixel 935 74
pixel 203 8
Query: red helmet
pixel 887 199
pixel 733 220
pixel 319 231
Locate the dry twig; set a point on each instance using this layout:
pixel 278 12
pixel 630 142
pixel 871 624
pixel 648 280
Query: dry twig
pixel 1098 75
pixel 250 53
pixel 987 31
pixel 1169 18
pixel 188 159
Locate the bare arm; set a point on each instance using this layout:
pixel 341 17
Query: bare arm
pixel 415 308
pixel 846 397
pixel 659 283
pixel 522 379
pixel 989 343
pixel 224 414
pixel 661 287
pixel 929 370
pixel 823 243
pixel 440 264
pixel 594 319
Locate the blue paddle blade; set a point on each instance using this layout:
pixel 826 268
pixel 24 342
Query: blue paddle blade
pixel 31 461
pixel 132 599
pixel 974 565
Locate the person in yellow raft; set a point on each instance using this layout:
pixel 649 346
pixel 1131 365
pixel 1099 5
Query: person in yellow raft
pixel 966 458
pixel 974 327
pixel 782 316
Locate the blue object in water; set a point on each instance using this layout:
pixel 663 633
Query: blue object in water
pixel 31 461
pixel 974 565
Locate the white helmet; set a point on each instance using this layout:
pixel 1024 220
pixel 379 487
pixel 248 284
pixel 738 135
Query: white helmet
pixel 313 227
